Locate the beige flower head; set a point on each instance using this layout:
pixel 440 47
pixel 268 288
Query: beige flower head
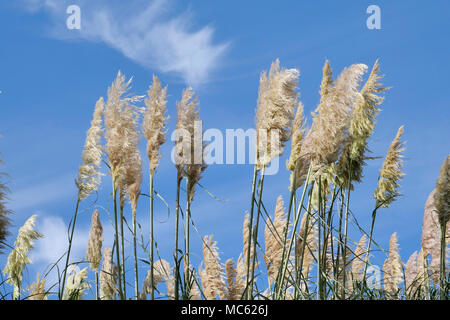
pixel 89 176
pixel 155 121
pixel 442 195
pixel 94 248
pixel 390 173
pixel 277 100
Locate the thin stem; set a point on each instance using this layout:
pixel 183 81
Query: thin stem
pixel 296 220
pixel 136 278
pixel 255 235
pixel 442 282
pixel 116 236
pixel 344 251
pixel 250 225
pixel 96 286
pixel 70 247
pixel 152 288
pixel 186 237
pixel 177 217
pixel 122 237
pixel 374 214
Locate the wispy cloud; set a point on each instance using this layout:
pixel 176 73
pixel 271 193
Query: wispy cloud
pixel 40 194
pixel 148 33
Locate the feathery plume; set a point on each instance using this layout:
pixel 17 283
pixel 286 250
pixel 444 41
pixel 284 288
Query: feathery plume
pixel 37 290
pixel 273 240
pixel 89 176
pixel 76 284
pixel 298 134
pixel 415 275
pixel 4 212
pixel 155 121
pixel 162 272
pixel 390 173
pixel 358 262
pixel 18 258
pixel 331 120
pixel 108 276
pixel 276 103
pixel 327 81
pixel 122 134
pixel 189 147
pixel 235 281
pixel 442 195
pixel 392 267
pixel 213 283
pixel 362 125
pixel 431 241
pixel 94 248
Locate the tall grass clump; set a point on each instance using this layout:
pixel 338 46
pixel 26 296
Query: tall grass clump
pixel 312 245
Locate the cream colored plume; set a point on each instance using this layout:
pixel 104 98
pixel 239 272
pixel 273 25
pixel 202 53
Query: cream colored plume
pixel 442 195
pixel 431 231
pixel 189 147
pixel 298 134
pixel 390 173
pixel 89 176
pixel 37 290
pixel 213 283
pixel 235 279
pixel 415 276
pixel 277 100
pixel 155 121
pixel 358 263
pixel 392 267
pixel 331 119
pixel 108 276
pixel 362 125
pixel 245 237
pixel 76 285
pixel 94 248
pixel 18 258
pixel 121 121
pixel 274 234
pixel 325 140
pixel 162 272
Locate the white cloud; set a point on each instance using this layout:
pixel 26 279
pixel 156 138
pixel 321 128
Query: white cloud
pixel 145 32
pixel 54 244
pixel 59 188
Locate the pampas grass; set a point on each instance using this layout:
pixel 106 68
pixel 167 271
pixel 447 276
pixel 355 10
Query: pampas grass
pixel 18 258
pixel 307 252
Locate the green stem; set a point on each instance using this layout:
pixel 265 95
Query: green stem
pixel 136 278
pixel 374 214
pixel 296 221
pixel 122 237
pixel 70 247
pixel 177 217
pixel 186 238
pixel 255 236
pixel 116 236
pixel 442 282
pixel 152 288
pixel 344 250
pixel 250 225
pixel 97 296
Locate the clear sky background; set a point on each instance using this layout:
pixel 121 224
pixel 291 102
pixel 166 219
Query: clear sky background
pixel 51 77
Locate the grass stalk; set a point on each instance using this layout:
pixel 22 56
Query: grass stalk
pixel 152 287
pixel 285 262
pixel 70 247
pixel 177 218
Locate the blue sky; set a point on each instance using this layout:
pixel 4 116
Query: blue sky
pixel 51 78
